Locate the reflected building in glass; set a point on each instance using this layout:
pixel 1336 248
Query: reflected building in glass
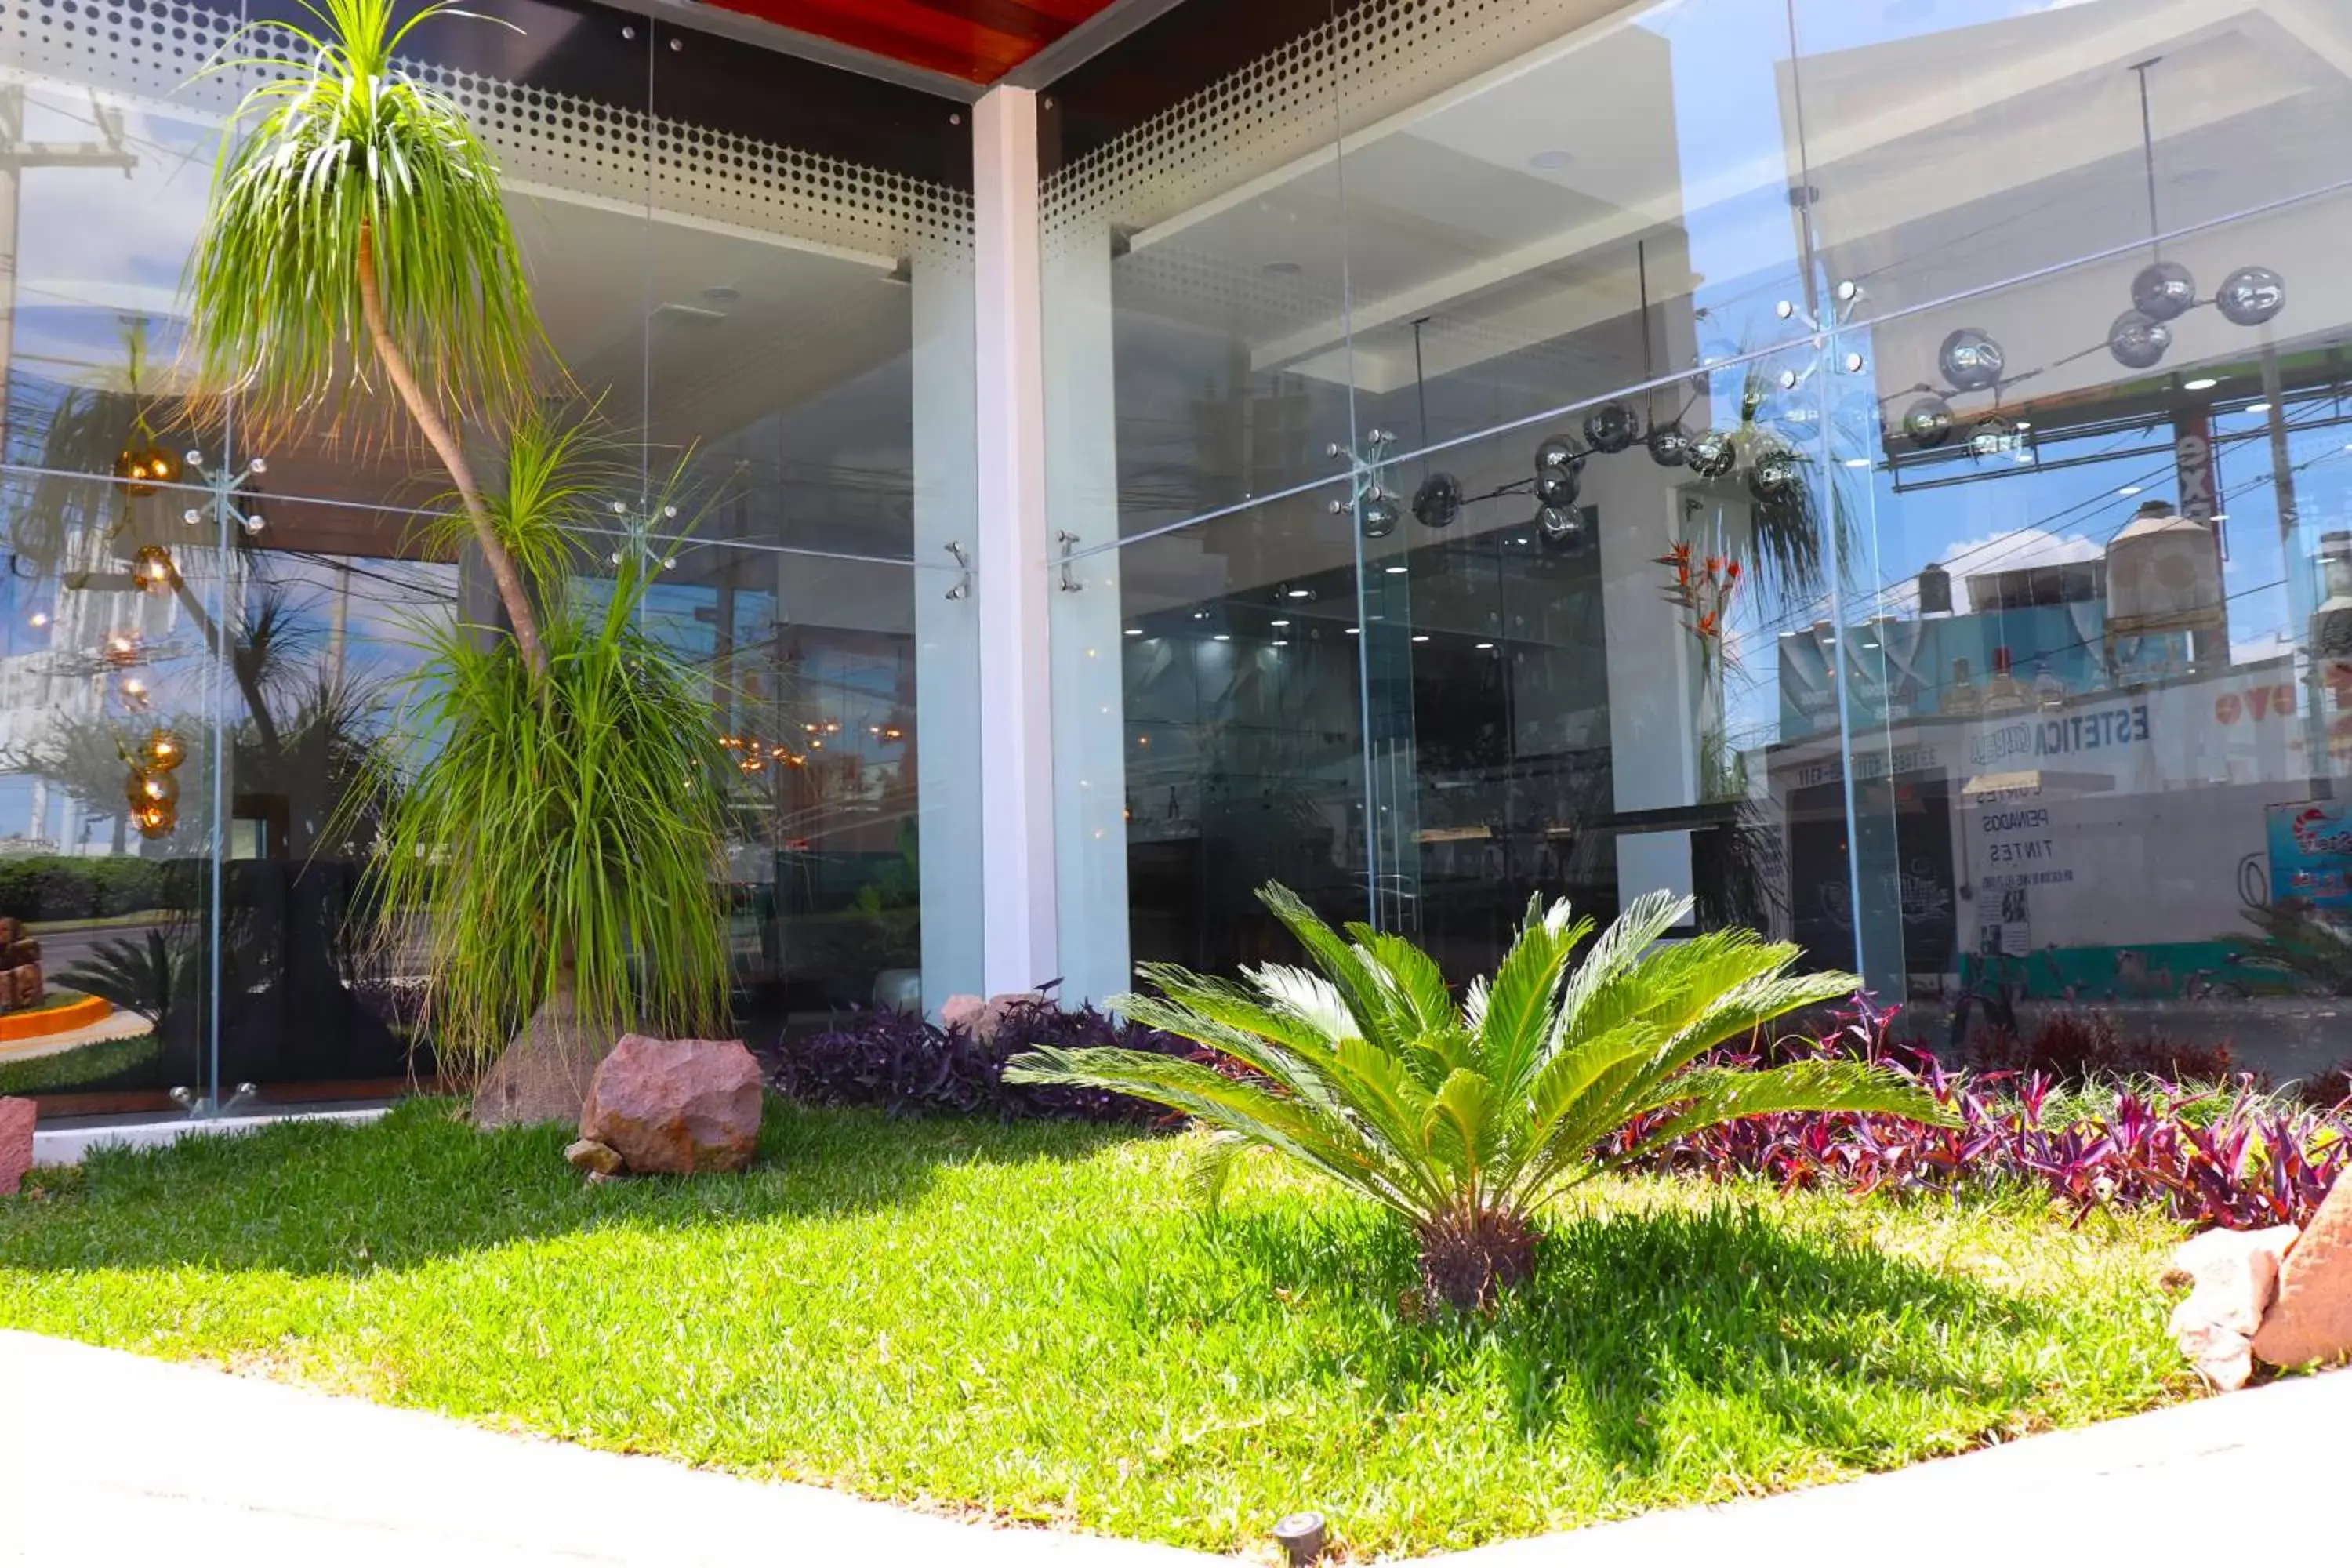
pixel 1881 470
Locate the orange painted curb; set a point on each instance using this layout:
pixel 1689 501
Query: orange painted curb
pixel 42 1021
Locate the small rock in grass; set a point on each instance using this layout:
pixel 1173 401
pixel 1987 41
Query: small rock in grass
pixel 674 1106
pixel 17 1117
pixel 2232 1275
pixel 2312 1318
pixel 596 1159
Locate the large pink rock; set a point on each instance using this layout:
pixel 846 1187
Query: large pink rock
pixel 2312 1318
pixel 674 1106
pixel 2234 1274
pixel 16 1143
pixel 982 1019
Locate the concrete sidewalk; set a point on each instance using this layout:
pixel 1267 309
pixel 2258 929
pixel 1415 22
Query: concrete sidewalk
pixel 111 1459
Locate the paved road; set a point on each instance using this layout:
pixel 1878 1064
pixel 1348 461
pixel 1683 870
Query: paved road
pixel 108 1458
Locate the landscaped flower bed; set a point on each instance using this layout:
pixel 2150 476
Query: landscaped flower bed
pixel 2217 1153
pixel 1033 1321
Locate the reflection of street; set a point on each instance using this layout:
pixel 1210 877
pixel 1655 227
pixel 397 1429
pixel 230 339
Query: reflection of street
pixel 119 1026
pixel 66 944
pixel 2282 1037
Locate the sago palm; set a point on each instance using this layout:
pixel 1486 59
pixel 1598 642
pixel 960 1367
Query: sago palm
pixel 355 218
pixel 1464 1119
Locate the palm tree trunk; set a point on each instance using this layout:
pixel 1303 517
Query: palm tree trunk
pixel 1470 1257
pixel 264 723
pixel 545 1070
pixel 444 442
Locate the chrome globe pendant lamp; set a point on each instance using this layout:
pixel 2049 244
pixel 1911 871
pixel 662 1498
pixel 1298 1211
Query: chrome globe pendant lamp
pixel 2166 289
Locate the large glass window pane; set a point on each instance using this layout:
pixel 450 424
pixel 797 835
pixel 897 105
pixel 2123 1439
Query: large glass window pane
pixel 1602 201
pixel 1196 266
pixel 2106 726
pixel 1210 742
pixel 1955 147
pixel 113 668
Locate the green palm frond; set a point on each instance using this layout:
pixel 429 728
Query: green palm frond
pixel 1705 1097
pixel 560 472
pixel 339 150
pixel 562 832
pixel 1465 1117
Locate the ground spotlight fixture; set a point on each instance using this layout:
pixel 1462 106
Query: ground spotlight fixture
pixel 1301 1537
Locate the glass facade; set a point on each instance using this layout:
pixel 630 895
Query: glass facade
pixel 1880 470
pixel 752 264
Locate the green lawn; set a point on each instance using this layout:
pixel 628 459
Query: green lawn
pixel 1031 1321
pixel 84 1067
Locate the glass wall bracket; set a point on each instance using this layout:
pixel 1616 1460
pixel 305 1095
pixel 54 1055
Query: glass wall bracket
pixel 1069 543
pixel 962 589
pixel 210 1107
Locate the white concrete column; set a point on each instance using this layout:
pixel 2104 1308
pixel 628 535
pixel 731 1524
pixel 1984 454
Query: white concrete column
pixel 1015 777
pixel 1090 645
pixel 1653 673
pixel 952 764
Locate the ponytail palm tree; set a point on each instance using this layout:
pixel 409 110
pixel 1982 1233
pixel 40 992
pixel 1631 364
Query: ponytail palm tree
pixel 1465 1119
pixel 355 221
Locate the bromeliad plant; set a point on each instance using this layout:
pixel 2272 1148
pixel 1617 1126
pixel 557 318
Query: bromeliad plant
pixel 1464 1119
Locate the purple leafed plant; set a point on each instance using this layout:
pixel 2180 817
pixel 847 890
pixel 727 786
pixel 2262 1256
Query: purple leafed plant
pixel 902 1063
pixel 2225 1155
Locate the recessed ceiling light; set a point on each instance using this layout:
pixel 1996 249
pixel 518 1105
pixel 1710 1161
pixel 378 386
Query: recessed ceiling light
pixel 1522 539
pixel 1222 636
pixel 1355 631
pixel 2258 409
pixel 1200 614
pixel 1857 462
pixel 1421 637
pixel 2021 424
pixel 720 295
pixel 2202 383
pixel 1551 158
pixel 1282 642
pixel 1398 571
pixel 1300 593
pixel 1135 631
pixel 1282 269
pixel 2128 491
pixel 1277 623
pixel 1485 647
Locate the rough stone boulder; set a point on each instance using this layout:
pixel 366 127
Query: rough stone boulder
pixel 981 1019
pixel 15 1143
pixel 2311 1319
pixel 2232 1274
pixel 674 1106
